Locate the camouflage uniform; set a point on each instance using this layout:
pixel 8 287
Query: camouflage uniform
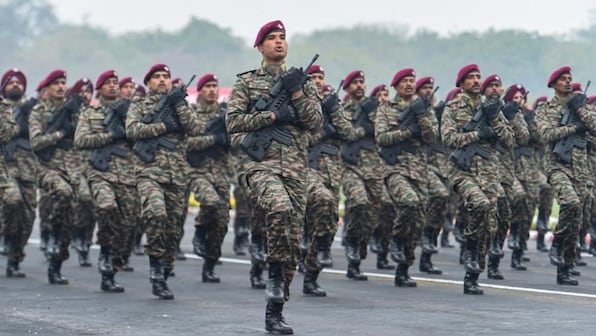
pixel 279 180
pixel 571 182
pixel 407 180
pixel 22 194
pixel 592 212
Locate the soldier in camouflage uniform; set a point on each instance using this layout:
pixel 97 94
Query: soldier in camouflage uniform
pixel 44 200
pixel 21 194
pixel 101 134
pixel 278 177
pixel 476 180
pixel 52 144
pixel 207 154
pixel 403 129
pixel 161 177
pixel 569 176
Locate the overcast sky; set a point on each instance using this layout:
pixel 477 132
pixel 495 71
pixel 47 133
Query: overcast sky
pixel 244 17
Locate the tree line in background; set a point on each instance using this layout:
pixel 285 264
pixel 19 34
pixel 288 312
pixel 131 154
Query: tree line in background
pixel 35 41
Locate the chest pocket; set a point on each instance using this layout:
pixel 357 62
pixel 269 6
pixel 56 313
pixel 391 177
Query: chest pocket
pixel 96 122
pixel 258 89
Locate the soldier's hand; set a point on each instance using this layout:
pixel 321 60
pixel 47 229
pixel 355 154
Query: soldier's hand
pixel 172 125
pixel 118 132
pixel 368 129
pixel 293 80
pixel 414 128
pixel 486 132
pixel 491 108
pixel 510 109
pixel 577 101
pixel 68 129
pixel 286 113
pixel 328 130
pixel 330 103
pixel 580 127
pixel 177 96
pixel 420 105
pixel 370 104
pixel 439 108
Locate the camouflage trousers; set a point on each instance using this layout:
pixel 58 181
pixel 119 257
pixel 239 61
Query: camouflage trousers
pixel 84 213
pixel 19 201
pixel 62 195
pixel 525 210
pixel 242 203
pixel 321 215
pixel 545 197
pixel 116 210
pixel 362 207
pixel 162 206
pixel 284 200
pixel 387 216
pixel 253 211
pixel 214 212
pixel 409 197
pixel 571 196
pixel 438 198
pixel 45 208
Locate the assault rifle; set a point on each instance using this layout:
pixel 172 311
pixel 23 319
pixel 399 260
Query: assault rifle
pixel 328 103
pixel 164 110
pixel 100 157
pixel 350 151
pixel 61 119
pixel 255 143
pixel 463 157
pixel 216 125
pixel 564 147
pixel 21 115
pixel 407 119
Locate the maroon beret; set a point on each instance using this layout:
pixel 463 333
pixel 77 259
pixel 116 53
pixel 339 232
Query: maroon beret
pixel 315 68
pixel 557 73
pixel 488 80
pixel 52 76
pixel 512 91
pixel 591 99
pixel 327 88
pixel 451 94
pixel 351 76
pixel 41 85
pixel 463 72
pixel 206 79
pixel 176 80
pixel 125 81
pixel 14 74
pixel 423 81
pixel 575 86
pixel 83 84
pixel 276 25
pixel 538 101
pixel 407 72
pixel 378 88
pixel 140 90
pixel 154 69
pixel 103 77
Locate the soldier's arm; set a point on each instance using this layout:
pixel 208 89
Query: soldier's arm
pixel 449 127
pixel 503 130
pixel 37 138
pixel 384 136
pixel 236 140
pixel 84 138
pixel 429 127
pixel 237 120
pixel 308 107
pixel 8 129
pixel 548 127
pixel 188 119
pixel 200 142
pixel 136 129
pixel 520 129
pixel 344 127
pixel 588 116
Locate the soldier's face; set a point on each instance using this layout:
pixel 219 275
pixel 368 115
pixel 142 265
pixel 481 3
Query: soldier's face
pixel 494 90
pixel 127 90
pixel 14 90
pixel 383 97
pixel 518 97
pixel 562 85
pixel 319 80
pixel 109 89
pixel 274 47
pixel 356 88
pixel 210 92
pixel 405 87
pixel 160 82
pixel 471 84
pixel 57 89
pixel 87 95
pixel 426 90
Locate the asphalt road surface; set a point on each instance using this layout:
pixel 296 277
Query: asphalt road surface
pixel 526 303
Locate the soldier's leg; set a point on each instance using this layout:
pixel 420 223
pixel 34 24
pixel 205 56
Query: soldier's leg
pixel 241 220
pixel 84 222
pixel 175 205
pixel 520 223
pixel 44 220
pixel 386 217
pixel 14 231
pixel 355 215
pixel 129 212
pixel 180 255
pixel 436 211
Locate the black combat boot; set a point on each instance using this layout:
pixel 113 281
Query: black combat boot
pixel 104 263
pixel 540 245
pixel 375 239
pixel 4 243
pixel 275 284
pixel 44 238
pixel 323 252
pixel 158 279
pixel 564 277
pixel 256 250
pixel 573 271
pixel 382 262
pixel 513 239
pixel 109 285
pixel 516 260
pixel 458 231
pixel 352 250
pixel 54 275
pixel 579 261
pixel 428 241
pixel 495 247
pixel 199 241
pixel 462 253
pixel 274 321
pixel 256 276
pixel 354 272
pixel 208 274
pixel 471 256
pixel 542 221
pixel 471 284
pixel 240 235
pixel 555 253
pixel 179 253
pixel 402 278
pixel 493 268
pixel 593 244
pixel 13 270
pixel 310 286
pixel 126 267
pixel 427 266
pixel 397 251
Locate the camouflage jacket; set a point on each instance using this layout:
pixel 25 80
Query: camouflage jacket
pixel 169 166
pixel 548 119
pixel 23 165
pixel 242 118
pixel 8 130
pixel 506 155
pixel 387 133
pixel 91 134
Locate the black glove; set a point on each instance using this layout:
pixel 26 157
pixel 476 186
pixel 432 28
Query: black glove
pixel 68 129
pixel 581 127
pixel 368 129
pixel 510 109
pixel 491 108
pixel 293 80
pixel 414 128
pixel 330 103
pixel 370 104
pixel 176 96
pixel 23 126
pixel 420 105
pixel 486 132
pixel 439 108
pixel 118 132
pixel 577 101
pixel 328 130
pixel 172 124
pixel 286 113
pixel 221 139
